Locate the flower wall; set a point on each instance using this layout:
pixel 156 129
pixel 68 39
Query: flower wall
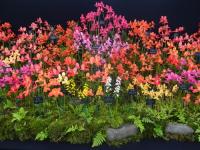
pixel 101 55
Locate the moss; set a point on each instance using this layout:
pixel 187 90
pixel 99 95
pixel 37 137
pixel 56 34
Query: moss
pixel 56 129
pixel 38 124
pixel 6 130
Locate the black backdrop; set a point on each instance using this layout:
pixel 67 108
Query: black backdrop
pixel 22 12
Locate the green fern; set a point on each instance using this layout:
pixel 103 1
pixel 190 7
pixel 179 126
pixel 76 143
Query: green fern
pixel 147 120
pixel 42 135
pixel 99 139
pixel 74 128
pixel 198 134
pixel 137 122
pixel 158 131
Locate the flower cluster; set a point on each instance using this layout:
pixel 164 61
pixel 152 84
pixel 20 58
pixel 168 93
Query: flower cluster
pixel 101 55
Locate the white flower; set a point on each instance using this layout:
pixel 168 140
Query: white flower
pixel 108 84
pixel 117 86
pixel 62 77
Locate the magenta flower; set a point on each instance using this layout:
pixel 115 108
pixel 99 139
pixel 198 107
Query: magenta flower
pixel 171 76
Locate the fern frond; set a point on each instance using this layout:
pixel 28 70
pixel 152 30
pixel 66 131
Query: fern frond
pixel 99 139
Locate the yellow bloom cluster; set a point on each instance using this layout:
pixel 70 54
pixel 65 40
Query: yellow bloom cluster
pixel 159 92
pixel 99 91
pixel 13 58
pixel 69 84
pixel 130 86
pixel 84 93
pixel 71 88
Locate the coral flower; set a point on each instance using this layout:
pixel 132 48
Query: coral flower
pixel 55 92
pixel 187 98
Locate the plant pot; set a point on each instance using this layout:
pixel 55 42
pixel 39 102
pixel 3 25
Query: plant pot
pixel 109 99
pixel 53 38
pixel 132 92
pixel 96 47
pixel 84 101
pixel 185 86
pixel 150 102
pixel 152 51
pixel 38 100
pixel 197 57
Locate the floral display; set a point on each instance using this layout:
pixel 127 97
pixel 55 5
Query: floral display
pixel 102 57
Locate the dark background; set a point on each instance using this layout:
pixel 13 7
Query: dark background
pixel 22 12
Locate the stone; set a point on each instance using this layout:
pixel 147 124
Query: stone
pixel 178 129
pixel 122 132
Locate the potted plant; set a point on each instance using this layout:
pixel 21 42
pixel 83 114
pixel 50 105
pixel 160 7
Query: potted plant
pixel 185 86
pixel 108 99
pixel 150 102
pixel 152 51
pixel 38 100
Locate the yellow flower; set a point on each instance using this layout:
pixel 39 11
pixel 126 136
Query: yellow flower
pixel 99 91
pixel 174 88
pixel 13 58
pixel 130 86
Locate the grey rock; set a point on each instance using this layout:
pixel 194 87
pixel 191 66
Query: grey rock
pixel 179 129
pixel 122 132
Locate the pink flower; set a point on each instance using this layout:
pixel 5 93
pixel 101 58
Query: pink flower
pixel 171 76
pixel 163 20
pixel 34 26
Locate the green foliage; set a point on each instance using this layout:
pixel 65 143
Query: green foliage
pixel 41 136
pixel 137 122
pixel 158 131
pixel 198 134
pixel 180 114
pixel 75 128
pixel 99 139
pixel 8 105
pixel 56 129
pixel 20 115
pixel 87 113
pixel 85 123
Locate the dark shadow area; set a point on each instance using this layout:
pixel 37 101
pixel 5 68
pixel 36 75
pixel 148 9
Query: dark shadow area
pixel 23 12
pixel 143 145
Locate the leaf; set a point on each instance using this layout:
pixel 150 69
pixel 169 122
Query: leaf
pixel 8 105
pixel 147 120
pixel 99 139
pixel 198 130
pixel 74 128
pixel 18 116
pixel 137 122
pixel 42 136
pixel 158 131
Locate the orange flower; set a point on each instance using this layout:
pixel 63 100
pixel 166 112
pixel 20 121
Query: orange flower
pixel 53 82
pixel 197 101
pixel 69 61
pixel 42 38
pixel 96 60
pixel 90 93
pixel 187 98
pixel 55 92
pixel 197 89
